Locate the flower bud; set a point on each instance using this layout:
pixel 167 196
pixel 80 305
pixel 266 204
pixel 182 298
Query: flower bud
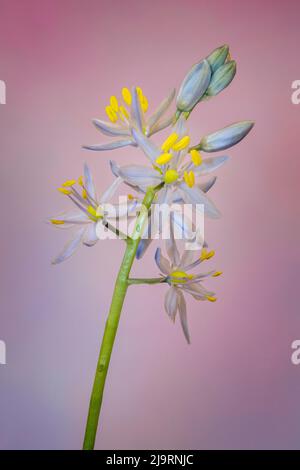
pixel 193 86
pixel 225 138
pixel 221 78
pixel 218 57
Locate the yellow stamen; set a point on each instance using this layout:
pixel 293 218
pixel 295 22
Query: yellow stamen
pixel 112 115
pixel 182 143
pixel 211 298
pixel 130 197
pixel 228 58
pixel 126 96
pixel 196 157
pixel 92 211
pixel 164 158
pixel 191 179
pixel 171 176
pixel 169 142
pixel 217 273
pixel 114 103
pixel 84 193
pixel 206 255
pixel 57 222
pixel 144 103
pixel 123 111
pixel 69 183
pixel 80 181
pixel 180 276
pixel 65 191
pixel 139 92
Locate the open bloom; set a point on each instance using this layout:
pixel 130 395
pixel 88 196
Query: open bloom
pixel 90 210
pixel 128 113
pixel 176 272
pixel 173 166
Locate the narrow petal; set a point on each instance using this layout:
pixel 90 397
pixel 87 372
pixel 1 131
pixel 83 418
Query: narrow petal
pixel 205 187
pixel 171 302
pixel 183 315
pixel 196 196
pixel 111 190
pixel 137 114
pixel 143 246
pixel 89 184
pixel 162 262
pixel 149 148
pixel 70 247
pixel 209 164
pixel 90 236
pixel 110 129
pixel 171 246
pixel 160 111
pixel 161 125
pixel 140 175
pixel 110 146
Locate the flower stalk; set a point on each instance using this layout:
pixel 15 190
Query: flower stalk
pixel 112 323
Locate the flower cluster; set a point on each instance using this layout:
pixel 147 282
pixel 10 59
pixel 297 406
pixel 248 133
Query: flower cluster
pixel 176 168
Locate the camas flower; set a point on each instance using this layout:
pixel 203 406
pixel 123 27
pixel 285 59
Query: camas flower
pixel 128 113
pixel 174 167
pixel 176 272
pixel 89 211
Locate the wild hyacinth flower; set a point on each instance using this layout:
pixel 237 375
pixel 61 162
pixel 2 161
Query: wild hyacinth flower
pixel 90 210
pixel 173 167
pixel 130 112
pixel 176 272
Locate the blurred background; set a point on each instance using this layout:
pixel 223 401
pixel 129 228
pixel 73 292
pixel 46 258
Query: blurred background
pixel 235 386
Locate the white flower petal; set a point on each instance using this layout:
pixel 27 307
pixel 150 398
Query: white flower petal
pixel 111 190
pixel 110 146
pixel 171 302
pixel 171 246
pixel 160 111
pixel 209 164
pixel 162 262
pixel 89 184
pixel 108 128
pixel 194 195
pixel 137 114
pixel 70 247
pixel 205 186
pixel 148 147
pixel 160 125
pixel 138 175
pixel 183 315
pixel 90 236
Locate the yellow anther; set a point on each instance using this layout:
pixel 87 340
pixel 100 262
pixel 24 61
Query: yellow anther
pixel 189 178
pixel 126 96
pixel 211 298
pixel 65 191
pixel 180 276
pixel 217 273
pixel 164 158
pixel 130 197
pixel 182 143
pixel 84 193
pixel 144 103
pixel 169 142
pixel 196 157
pixel 171 176
pixel 80 181
pixel 69 183
pixel 92 211
pixel 206 254
pixel 228 58
pixel 112 115
pixel 114 103
pixel 57 222
pixel 123 112
pixel 139 92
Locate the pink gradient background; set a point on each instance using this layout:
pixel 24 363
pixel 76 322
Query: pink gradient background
pixel 235 386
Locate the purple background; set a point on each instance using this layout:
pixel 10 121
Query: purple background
pixel 235 386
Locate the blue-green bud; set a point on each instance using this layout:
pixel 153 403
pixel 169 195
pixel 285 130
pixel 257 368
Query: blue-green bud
pixel 193 86
pixel 218 57
pixel 225 138
pixel 221 78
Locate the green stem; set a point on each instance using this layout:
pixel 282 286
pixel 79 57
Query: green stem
pixel 146 280
pixel 112 322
